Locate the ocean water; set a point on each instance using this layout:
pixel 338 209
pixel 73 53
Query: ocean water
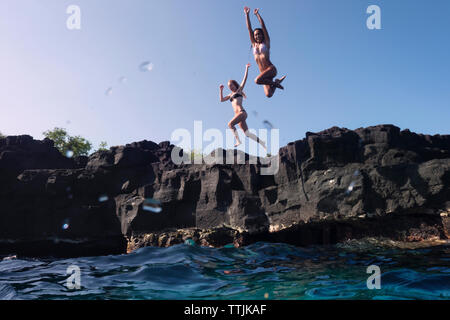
pixel 259 271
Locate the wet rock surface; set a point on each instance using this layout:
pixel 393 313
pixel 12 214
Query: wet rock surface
pixel 333 185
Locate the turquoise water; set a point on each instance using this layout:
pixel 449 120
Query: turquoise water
pixel 259 271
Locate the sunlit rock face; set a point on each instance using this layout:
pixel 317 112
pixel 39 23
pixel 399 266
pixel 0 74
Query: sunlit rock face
pixel 333 185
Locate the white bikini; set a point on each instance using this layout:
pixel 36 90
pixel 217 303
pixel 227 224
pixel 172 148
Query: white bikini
pixel 259 48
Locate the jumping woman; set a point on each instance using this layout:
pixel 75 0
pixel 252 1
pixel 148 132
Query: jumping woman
pixel 261 51
pixel 240 115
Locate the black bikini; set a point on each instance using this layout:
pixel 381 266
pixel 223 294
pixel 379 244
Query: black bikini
pixel 234 96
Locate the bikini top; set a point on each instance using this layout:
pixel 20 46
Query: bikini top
pixel 234 96
pixel 260 48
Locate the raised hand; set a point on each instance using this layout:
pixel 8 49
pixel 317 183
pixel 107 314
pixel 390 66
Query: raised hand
pixel 247 65
pixel 256 12
pixel 246 10
pixel 221 87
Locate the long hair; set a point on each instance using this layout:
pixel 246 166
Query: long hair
pixel 236 84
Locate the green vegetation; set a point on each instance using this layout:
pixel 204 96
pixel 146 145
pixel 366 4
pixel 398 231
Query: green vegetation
pixel 2 136
pixel 65 143
pixel 103 146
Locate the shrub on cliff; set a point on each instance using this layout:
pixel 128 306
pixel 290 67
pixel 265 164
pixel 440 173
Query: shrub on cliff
pixel 76 146
pixel 103 146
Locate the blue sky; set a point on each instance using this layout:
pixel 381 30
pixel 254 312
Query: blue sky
pixel 339 73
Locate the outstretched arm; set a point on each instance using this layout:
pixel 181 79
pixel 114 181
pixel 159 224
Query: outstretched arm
pixel 245 77
pixel 249 24
pixel 222 99
pixel 263 27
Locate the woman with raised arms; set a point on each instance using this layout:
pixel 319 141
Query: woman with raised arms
pixel 261 50
pixel 240 115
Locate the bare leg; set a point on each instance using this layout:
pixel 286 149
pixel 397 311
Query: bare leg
pixel 250 135
pixel 279 81
pixel 241 116
pixel 266 77
pixel 255 138
pixel 236 136
pixel 269 90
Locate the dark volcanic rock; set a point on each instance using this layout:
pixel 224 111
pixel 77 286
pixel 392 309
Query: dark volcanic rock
pixel 19 153
pixel 333 185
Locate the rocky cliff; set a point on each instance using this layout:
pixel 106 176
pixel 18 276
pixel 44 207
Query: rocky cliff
pixel 331 186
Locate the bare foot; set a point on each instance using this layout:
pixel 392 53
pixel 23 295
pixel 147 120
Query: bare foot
pixel 277 83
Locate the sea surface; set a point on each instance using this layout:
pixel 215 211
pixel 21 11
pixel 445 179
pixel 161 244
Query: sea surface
pixel 259 271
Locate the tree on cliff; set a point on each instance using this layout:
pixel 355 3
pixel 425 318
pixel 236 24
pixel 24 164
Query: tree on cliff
pixel 103 146
pixel 2 136
pixel 68 145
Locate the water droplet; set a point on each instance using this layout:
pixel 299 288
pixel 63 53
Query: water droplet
pixel 152 205
pixel 69 153
pixel 103 198
pixel 189 242
pixel 109 91
pixel 123 79
pixel 350 187
pixel 146 66
pixel 267 124
pixel 65 225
